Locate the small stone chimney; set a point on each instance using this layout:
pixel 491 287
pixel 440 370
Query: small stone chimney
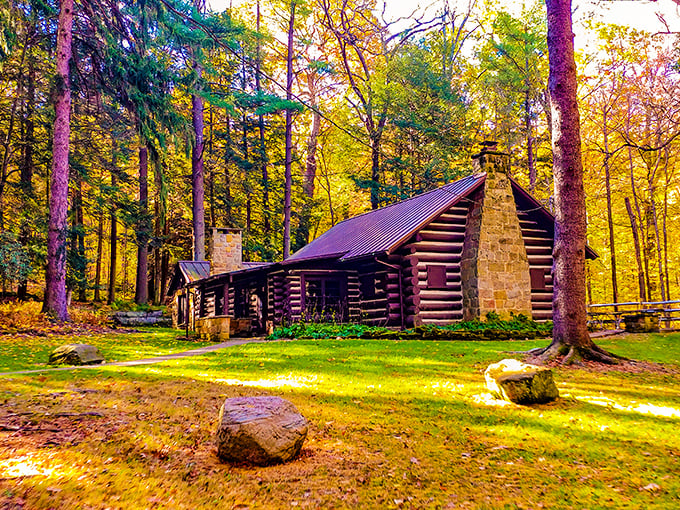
pixel 226 250
pixel 494 264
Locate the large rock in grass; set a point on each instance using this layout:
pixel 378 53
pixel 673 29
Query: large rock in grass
pixel 76 354
pixel 521 383
pixel 259 430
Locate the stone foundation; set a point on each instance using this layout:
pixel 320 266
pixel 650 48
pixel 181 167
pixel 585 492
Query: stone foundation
pixel 494 264
pixel 213 329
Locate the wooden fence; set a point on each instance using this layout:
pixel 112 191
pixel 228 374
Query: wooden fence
pixel 615 314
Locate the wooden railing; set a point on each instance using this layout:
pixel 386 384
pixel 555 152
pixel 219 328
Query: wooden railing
pixel 607 314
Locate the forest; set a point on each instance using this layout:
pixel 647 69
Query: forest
pixel 284 117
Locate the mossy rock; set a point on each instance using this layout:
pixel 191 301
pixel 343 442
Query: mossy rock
pixel 76 354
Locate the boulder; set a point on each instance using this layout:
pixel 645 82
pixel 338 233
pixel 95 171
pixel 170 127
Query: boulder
pixel 76 354
pixel 139 318
pixel 259 430
pixel 521 383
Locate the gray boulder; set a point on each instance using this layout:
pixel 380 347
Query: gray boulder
pixel 259 430
pixel 76 354
pixel 521 383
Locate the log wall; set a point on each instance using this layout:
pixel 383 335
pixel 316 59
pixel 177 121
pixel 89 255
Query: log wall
pixel 440 243
pixel 539 245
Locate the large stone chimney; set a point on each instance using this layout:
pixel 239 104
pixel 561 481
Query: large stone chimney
pixel 226 250
pixel 494 264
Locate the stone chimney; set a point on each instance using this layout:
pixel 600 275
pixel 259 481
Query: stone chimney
pixel 226 250
pixel 494 264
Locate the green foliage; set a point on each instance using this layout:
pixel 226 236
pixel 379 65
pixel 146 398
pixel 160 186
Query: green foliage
pixel 15 264
pixel 494 328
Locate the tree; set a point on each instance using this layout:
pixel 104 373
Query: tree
pixel 55 275
pixel 570 334
pixel 289 134
pixel 198 210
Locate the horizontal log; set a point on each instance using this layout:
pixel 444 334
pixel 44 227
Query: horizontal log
pixel 373 303
pixel 434 246
pixel 441 304
pixel 412 300
pixel 540 260
pixel 541 316
pixel 539 250
pixel 536 240
pixel 541 306
pixel 440 315
pixel 535 232
pixel 440 294
pixel 446 227
pixel 430 257
pixel 451 216
pixel 436 235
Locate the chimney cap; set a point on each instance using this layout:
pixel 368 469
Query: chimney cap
pixel 489 147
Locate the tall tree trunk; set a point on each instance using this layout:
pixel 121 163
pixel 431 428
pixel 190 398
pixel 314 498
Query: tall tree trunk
pixel 664 220
pixel 55 274
pixel 159 230
pixel 98 262
pixel 531 165
pixel 78 238
pixel 260 125
pixel 198 192
pixel 287 201
pixel 26 173
pixel 570 333
pixel 638 256
pixel 113 239
pixel 610 218
pixel 142 279
pixel 228 160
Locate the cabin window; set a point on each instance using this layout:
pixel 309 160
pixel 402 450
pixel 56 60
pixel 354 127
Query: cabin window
pixel 537 278
pixel 367 286
pixel 436 277
pixel 324 298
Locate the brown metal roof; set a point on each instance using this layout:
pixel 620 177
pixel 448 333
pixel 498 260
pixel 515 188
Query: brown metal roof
pixel 194 270
pixel 384 229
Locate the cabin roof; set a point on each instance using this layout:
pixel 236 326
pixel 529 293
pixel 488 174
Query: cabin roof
pixel 188 271
pixel 384 229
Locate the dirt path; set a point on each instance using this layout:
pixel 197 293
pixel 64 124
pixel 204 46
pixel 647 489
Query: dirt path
pixel 150 361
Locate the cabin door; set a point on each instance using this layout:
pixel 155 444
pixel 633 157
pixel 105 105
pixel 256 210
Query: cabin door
pixel 325 299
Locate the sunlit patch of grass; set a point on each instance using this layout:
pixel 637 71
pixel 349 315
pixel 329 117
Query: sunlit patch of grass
pixel 32 352
pixel 392 425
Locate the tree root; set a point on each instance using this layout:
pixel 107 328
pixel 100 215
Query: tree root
pixel 574 354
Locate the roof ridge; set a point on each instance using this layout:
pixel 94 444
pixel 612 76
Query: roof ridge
pixel 420 195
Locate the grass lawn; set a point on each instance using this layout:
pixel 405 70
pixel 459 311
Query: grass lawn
pixel 32 352
pixel 393 424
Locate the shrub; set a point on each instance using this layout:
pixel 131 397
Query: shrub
pixel 493 328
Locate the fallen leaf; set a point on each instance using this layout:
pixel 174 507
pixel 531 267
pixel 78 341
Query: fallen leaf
pixel 651 487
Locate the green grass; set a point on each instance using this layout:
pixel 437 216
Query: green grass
pixel 393 424
pixel 33 352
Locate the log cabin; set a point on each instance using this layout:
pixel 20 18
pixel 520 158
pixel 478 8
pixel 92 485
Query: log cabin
pixel 480 244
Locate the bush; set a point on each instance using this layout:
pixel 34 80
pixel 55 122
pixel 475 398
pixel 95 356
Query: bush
pixel 494 328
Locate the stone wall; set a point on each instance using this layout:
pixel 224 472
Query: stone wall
pixel 494 265
pixel 226 250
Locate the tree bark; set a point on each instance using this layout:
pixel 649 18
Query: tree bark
pixel 55 274
pixel 610 218
pixel 570 333
pixel 113 238
pixel 27 165
pixel 197 181
pixel 638 256
pixel 142 280
pixel 98 261
pixel 287 201
pixel 262 159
